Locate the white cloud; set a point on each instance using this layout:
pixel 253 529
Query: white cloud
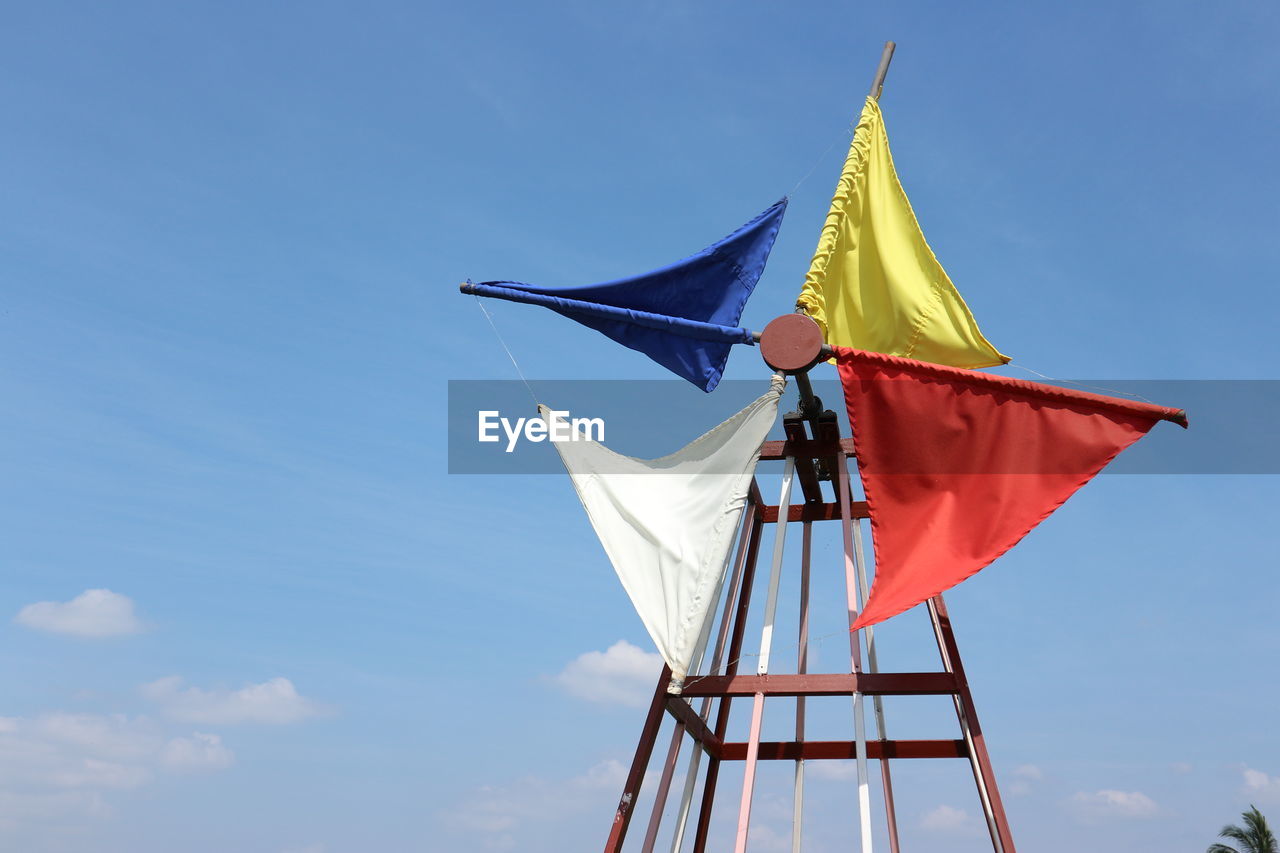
pixel 58 765
pixel 836 770
pixel 1023 777
pixel 201 751
pixel 948 820
pixel 66 768
pixel 623 674
pixel 1260 786
pixel 273 701
pixel 92 613
pixel 1114 804
pixel 19 807
pixel 113 736
pixel 499 816
pixel 766 839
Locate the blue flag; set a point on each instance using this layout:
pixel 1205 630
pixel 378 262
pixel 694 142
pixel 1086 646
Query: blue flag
pixel 684 316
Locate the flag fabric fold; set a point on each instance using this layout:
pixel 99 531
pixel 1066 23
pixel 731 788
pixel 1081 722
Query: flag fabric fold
pixel 874 283
pixel 958 466
pixel 683 316
pixel 667 524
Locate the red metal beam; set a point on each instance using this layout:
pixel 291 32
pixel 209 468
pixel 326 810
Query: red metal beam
pixel 731 668
pixel 984 774
pixel 825 684
pixel 824 749
pixel 635 778
pixel 772 451
pixel 812 512
pixel 694 725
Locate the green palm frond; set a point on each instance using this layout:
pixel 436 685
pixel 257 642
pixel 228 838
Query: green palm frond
pixel 1235 833
pixel 1254 837
pixel 1264 839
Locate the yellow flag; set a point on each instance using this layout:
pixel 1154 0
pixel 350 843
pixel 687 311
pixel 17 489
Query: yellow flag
pixel 874 283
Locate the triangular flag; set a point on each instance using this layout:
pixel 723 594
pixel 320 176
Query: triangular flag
pixel 667 524
pixel 874 283
pixel 684 316
pixel 958 466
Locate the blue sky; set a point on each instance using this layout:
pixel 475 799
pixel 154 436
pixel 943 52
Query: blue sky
pixel 230 242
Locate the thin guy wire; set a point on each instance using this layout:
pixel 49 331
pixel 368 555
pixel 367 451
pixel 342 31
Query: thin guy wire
pixel 1082 384
pixel 818 162
pixel 514 363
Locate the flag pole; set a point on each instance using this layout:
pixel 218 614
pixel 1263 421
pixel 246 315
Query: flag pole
pixel 810 406
pixel 802 667
pixel 873 665
pixel 853 595
pixel 766 646
pixel 886 56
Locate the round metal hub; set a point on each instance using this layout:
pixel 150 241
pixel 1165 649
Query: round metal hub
pixel 791 343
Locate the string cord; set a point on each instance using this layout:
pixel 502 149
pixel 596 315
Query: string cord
pixel 848 134
pixel 1082 384
pixel 514 363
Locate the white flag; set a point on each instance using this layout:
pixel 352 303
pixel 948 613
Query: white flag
pixel 667 524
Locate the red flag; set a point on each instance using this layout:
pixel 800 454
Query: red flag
pixel 958 466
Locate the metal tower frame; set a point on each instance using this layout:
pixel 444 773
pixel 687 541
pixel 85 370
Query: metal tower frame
pixel 701 707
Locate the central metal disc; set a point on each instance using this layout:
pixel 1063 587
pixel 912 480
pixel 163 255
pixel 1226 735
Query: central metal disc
pixel 791 343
